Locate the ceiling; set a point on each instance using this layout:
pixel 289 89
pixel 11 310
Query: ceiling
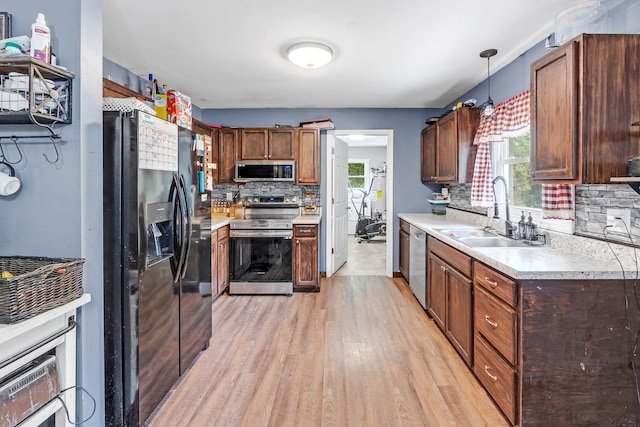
pixel 400 54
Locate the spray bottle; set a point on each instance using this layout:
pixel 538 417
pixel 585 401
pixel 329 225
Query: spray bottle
pixel 40 40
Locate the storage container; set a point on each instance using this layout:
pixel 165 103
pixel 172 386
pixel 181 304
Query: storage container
pixel 31 285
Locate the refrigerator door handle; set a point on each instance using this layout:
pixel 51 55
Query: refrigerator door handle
pixel 176 198
pixel 186 241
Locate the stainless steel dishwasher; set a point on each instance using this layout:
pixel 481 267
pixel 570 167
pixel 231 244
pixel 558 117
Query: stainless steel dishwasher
pixel 418 264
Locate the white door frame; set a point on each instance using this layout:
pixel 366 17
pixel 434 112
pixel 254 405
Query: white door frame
pixel 331 134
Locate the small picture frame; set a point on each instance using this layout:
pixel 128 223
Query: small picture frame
pixel 5 25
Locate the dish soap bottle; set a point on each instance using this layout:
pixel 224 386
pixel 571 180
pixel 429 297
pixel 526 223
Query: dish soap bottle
pixel 522 233
pixel 40 40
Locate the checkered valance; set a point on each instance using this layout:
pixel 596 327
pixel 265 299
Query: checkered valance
pixel 510 118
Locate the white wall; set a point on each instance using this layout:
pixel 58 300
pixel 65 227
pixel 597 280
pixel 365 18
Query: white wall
pixel 376 156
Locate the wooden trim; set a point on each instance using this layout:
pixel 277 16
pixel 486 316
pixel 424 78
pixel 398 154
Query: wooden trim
pixel 116 90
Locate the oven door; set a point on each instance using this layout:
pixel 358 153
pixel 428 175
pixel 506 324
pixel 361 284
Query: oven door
pixel 261 262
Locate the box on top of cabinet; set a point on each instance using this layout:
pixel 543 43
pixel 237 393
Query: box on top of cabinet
pixel 179 109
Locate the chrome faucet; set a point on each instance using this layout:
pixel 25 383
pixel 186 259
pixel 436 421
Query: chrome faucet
pixel 509 229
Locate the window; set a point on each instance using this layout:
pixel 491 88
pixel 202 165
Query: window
pixel 511 160
pixel 358 174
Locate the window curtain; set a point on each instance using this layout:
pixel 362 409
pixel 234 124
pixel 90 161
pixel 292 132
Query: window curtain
pixel 511 119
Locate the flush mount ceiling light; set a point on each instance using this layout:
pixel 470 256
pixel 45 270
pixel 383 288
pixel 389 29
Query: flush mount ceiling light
pixel 309 54
pixel 488 105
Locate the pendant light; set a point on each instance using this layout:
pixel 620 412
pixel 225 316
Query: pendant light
pixel 488 105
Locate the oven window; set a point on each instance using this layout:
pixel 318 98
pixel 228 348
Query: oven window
pixel 261 259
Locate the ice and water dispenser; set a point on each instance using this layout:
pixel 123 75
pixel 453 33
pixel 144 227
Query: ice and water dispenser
pixel 159 232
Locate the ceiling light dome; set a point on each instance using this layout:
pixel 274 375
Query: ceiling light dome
pixel 309 54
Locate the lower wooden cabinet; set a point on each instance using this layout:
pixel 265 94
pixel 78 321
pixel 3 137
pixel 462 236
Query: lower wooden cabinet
pixel 219 260
pixel 403 251
pixel 496 337
pixel 223 258
pixel 306 270
pixel 450 296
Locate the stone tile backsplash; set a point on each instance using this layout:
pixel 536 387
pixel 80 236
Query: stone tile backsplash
pixel 257 188
pixel 460 198
pixel 592 202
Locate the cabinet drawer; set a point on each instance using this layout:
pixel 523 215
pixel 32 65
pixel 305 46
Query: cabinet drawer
pixel 404 226
pixel 497 284
pixel 496 322
pixel 305 231
pixel 223 232
pixel 453 257
pixel 497 377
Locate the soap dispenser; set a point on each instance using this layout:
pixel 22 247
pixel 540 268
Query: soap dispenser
pixel 522 233
pixel 532 229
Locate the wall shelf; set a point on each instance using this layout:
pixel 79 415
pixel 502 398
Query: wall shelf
pixel 633 181
pixel 34 92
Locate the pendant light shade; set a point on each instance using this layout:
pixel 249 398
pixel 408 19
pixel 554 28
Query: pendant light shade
pixel 488 105
pixel 309 54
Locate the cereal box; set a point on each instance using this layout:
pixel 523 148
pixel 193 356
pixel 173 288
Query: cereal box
pixel 179 109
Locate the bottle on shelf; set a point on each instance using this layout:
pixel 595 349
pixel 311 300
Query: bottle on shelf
pixel 40 40
pixel 150 87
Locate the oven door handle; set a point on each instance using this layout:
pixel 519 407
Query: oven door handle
pixel 286 234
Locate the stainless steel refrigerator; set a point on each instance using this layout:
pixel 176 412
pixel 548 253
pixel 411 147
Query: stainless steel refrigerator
pixel 148 221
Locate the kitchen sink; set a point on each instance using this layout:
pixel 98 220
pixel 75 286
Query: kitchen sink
pixel 480 238
pixel 467 232
pixel 493 242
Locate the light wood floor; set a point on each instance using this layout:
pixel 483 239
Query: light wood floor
pixel 361 352
pixel 367 258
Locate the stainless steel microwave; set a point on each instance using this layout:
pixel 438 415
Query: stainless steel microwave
pixel 265 170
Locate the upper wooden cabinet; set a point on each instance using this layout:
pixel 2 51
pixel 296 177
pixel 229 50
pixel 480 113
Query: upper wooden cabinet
pixel 446 146
pixel 228 144
pixel 428 154
pixel 308 164
pixel 267 144
pixel 583 101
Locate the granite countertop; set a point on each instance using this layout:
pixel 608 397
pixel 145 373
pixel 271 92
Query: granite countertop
pixel 540 262
pixel 219 222
pixel 308 219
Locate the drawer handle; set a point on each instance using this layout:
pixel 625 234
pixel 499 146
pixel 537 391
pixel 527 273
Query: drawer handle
pixel 486 371
pixel 494 325
pixel 491 283
pixel 443 268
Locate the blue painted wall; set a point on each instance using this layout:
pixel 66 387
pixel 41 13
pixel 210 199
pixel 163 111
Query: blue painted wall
pixel 57 212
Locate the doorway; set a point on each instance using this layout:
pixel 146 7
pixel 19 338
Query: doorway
pixel 370 152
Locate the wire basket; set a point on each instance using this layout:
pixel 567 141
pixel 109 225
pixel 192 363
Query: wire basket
pixel 32 285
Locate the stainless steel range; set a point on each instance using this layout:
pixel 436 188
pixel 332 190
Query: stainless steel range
pixel 261 246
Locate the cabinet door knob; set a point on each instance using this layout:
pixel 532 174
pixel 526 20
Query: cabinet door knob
pixel 486 371
pixel 491 283
pixel 493 324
